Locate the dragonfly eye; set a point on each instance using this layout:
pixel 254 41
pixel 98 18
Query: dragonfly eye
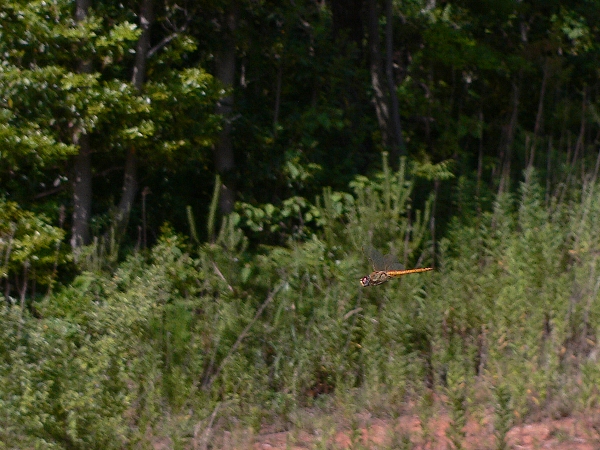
pixel 364 281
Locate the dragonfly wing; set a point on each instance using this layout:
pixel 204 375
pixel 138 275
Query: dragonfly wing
pixel 391 262
pixel 396 266
pixel 376 258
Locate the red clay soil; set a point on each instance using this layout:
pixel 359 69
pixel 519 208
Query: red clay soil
pixel 573 433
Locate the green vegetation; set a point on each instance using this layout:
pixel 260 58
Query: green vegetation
pixel 185 336
pixel 186 193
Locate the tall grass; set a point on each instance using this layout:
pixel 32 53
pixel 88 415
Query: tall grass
pixel 192 337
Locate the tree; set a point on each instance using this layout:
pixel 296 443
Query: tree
pixel 130 179
pixel 93 111
pixel 82 176
pixel 225 57
pixel 385 98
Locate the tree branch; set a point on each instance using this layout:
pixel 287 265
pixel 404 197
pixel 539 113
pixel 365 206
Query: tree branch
pixel 165 41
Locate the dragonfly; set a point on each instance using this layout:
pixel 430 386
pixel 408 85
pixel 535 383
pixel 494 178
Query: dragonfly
pixel 386 267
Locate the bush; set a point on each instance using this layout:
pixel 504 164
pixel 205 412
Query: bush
pixel 184 337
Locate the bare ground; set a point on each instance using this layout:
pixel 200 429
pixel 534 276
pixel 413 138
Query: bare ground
pixel 581 432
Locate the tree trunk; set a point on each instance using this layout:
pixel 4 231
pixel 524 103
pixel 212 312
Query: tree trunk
pixel 130 178
pixel 347 23
pixel 397 148
pixel 507 150
pixel 81 9
pixel 130 188
pixel 82 192
pixel 82 183
pixel 379 99
pixel 225 71
pixel 141 51
pixel 579 144
pixel 277 95
pixel 479 164
pixel 539 116
pixel 506 154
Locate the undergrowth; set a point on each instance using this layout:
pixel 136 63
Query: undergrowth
pixel 189 338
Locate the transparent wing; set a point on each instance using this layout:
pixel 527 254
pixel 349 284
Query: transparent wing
pixel 391 262
pixel 376 258
pixel 380 262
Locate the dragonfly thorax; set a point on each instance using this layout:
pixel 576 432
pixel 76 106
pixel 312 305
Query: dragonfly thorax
pixel 376 278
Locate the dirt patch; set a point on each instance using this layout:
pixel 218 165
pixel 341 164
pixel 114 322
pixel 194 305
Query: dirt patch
pixel 572 433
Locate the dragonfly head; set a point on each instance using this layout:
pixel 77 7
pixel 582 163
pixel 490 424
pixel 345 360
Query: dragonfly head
pixel 365 281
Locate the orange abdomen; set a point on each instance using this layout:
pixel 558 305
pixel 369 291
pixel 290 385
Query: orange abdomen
pixel 399 273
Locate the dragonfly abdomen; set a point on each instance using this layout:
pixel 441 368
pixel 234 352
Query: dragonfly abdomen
pixel 399 273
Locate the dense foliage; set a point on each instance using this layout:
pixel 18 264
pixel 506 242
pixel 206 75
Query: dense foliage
pixel 460 135
pixel 181 335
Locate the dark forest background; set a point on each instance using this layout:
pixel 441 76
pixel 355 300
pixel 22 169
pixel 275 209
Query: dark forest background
pixel 186 190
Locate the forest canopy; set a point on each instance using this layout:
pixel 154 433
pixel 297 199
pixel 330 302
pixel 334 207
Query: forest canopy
pixel 104 101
